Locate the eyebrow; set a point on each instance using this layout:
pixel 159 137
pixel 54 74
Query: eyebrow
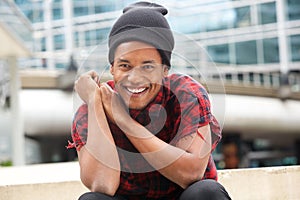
pixel 149 62
pixel 120 60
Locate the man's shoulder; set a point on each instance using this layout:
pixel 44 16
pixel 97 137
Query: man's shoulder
pixel 182 83
pixel 179 79
pixel 179 76
pixel 81 113
pixel 82 109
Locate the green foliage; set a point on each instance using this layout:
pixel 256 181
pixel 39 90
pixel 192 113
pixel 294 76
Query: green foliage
pixel 6 163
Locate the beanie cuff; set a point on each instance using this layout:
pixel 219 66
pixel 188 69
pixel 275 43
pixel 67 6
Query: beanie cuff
pixel 150 35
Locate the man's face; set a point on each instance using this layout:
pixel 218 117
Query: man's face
pixel 138 73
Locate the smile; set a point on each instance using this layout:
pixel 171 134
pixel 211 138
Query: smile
pixel 136 90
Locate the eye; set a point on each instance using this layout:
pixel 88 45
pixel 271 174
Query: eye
pixel 124 66
pixel 148 67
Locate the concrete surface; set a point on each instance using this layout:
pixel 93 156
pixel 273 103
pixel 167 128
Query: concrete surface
pixel 61 181
pixel 41 182
pixel 269 183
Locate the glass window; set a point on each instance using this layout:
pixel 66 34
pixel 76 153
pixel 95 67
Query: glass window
pixel 60 65
pixel 188 24
pixel 43 44
pixel 271 50
pixel 59 42
pixel 99 9
pixel 293 9
pixel 32 10
pixel 219 53
pixel 20 2
pixel 127 2
pixel 76 39
pixel 57 13
pixel 40 44
pixel 101 34
pixel 35 15
pixel 267 13
pixel 105 6
pixel 295 47
pixel 219 20
pixel 242 17
pixel 80 11
pixel 246 53
pixel 94 37
pixel 88 38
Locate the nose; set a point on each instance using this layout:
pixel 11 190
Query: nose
pixel 135 75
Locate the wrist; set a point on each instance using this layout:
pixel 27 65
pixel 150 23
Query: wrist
pixel 93 98
pixel 126 124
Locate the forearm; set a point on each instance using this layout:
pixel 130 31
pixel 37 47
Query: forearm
pixel 100 167
pixel 174 163
pixel 100 140
pixel 96 176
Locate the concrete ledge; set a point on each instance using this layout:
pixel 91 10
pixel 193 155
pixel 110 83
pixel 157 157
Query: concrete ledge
pixel 271 183
pixel 44 181
pixel 69 190
pixel 61 181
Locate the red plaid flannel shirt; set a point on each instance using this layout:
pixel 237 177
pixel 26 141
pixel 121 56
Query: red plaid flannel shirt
pixel 186 106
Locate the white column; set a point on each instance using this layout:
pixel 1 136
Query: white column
pixel 48 33
pixel 68 22
pixel 17 139
pixel 282 36
pixel 284 91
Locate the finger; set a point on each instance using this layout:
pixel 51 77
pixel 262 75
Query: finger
pixel 103 89
pixel 90 72
pixel 97 80
pixel 75 85
pixel 108 87
pixel 93 74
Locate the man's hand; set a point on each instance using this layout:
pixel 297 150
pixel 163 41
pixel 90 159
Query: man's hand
pixel 114 107
pixel 86 86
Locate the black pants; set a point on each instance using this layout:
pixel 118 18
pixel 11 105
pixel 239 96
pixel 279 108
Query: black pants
pixel 201 190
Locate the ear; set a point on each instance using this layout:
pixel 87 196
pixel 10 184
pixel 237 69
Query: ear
pixel 111 69
pixel 166 70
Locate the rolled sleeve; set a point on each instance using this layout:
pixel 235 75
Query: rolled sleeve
pixel 79 128
pixel 196 111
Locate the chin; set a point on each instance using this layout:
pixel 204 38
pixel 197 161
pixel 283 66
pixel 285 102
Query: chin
pixel 137 107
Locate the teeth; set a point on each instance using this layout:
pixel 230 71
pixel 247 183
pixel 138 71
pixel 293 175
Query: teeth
pixel 136 90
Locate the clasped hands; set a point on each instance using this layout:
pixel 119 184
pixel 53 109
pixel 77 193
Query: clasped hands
pixel 91 91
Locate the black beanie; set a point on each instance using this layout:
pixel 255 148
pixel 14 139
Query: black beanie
pixel 144 22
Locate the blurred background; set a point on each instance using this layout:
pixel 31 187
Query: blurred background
pixel 249 58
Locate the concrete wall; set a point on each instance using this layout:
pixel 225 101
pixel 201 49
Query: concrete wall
pixel 272 183
pixel 43 181
pixel 61 181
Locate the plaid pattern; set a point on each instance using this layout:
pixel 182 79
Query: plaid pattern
pixel 185 106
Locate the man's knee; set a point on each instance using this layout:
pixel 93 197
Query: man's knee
pixel 205 189
pixel 94 196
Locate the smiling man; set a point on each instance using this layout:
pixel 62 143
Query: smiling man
pixel 138 73
pixel 145 134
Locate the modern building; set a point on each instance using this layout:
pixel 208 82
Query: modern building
pixel 261 34
pixel 249 44
pixel 16 43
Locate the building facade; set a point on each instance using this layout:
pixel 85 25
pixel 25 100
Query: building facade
pixel 247 32
pixel 251 42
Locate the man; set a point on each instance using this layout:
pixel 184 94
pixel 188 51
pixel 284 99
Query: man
pixel 146 134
